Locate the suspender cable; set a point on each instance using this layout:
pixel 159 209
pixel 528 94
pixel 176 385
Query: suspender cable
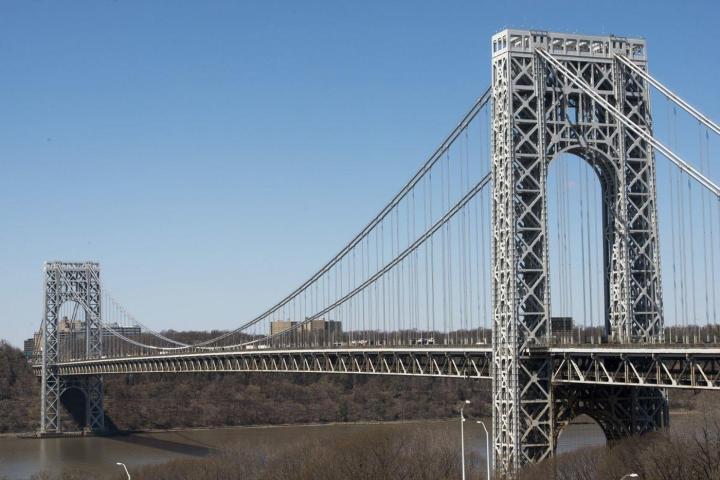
pixel 399 258
pixel 443 249
pixel 712 238
pixel 448 226
pixel 569 277
pixel 683 260
pixel 582 244
pixel 693 290
pixel 589 256
pixel 673 229
pixel 706 257
pixel 426 192
pixel 597 251
pixel 389 207
pixel 432 259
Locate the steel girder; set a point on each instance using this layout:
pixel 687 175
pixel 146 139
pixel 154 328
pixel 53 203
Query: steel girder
pixel 78 282
pixel 655 367
pixel 693 368
pixel 620 411
pixel 457 363
pixel 538 115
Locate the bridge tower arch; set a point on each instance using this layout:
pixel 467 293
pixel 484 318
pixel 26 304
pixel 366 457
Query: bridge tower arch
pixel 70 282
pixel 538 114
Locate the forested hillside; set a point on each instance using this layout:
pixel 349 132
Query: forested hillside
pixel 19 392
pixel 136 402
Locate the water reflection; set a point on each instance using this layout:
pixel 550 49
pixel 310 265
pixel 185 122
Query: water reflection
pixel 20 458
pixel 188 448
pixel 582 432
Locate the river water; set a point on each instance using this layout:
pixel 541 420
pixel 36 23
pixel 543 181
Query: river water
pixel 20 458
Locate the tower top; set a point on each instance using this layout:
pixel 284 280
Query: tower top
pixel 568 44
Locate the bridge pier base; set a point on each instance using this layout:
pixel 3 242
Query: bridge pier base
pixel 89 413
pixel 94 407
pixel 620 411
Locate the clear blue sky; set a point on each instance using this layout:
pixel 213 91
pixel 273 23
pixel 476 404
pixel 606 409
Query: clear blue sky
pixel 212 154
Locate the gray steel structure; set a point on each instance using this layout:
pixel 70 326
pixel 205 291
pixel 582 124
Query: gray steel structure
pixel 65 282
pixel 539 114
pixel 424 362
pixel 572 367
pixel 552 94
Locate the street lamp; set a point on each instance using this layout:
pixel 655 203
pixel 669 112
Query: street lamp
pixel 120 464
pixel 487 448
pixel 462 437
pixel 630 475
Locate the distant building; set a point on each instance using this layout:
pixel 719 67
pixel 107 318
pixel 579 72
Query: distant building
pixel 66 325
pixel 75 330
pixel 280 326
pixel 124 331
pixel 29 348
pixel 561 324
pixel 329 328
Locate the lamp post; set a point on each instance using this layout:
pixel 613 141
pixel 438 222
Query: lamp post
pixel 487 448
pixel 462 437
pixel 630 475
pixel 120 464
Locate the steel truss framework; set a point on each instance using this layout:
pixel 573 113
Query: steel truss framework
pixel 538 115
pixel 695 368
pixel 64 282
pixel 459 363
pixel 620 411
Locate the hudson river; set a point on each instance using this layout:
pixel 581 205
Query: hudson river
pixel 20 458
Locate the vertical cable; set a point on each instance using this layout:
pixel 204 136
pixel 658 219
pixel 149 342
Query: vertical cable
pixel 692 252
pixel 591 302
pixel 582 243
pixel 705 258
pixel 712 237
pixel 673 229
pixel 432 259
pixel 443 255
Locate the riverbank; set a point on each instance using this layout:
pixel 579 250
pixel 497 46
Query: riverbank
pixel 120 433
pixel 95 457
pixel 298 452
pixel 162 402
pixel 152 454
pixel 72 434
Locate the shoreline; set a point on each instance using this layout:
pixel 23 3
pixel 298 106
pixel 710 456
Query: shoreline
pixel 121 433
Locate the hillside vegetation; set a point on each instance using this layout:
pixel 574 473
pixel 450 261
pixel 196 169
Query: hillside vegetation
pixel 161 401
pixel 19 392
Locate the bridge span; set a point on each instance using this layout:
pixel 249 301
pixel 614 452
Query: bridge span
pixel 452 277
pixel 632 365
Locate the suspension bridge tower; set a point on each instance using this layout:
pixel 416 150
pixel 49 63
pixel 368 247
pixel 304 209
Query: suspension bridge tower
pixel 538 114
pixel 80 283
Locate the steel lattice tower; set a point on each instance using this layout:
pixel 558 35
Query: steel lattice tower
pixel 64 282
pixel 537 116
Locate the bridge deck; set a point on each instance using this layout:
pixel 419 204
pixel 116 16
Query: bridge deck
pixel 662 366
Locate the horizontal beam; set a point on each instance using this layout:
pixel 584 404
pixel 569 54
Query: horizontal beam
pixel 640 366
pixel 456 362
pixel 692 368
